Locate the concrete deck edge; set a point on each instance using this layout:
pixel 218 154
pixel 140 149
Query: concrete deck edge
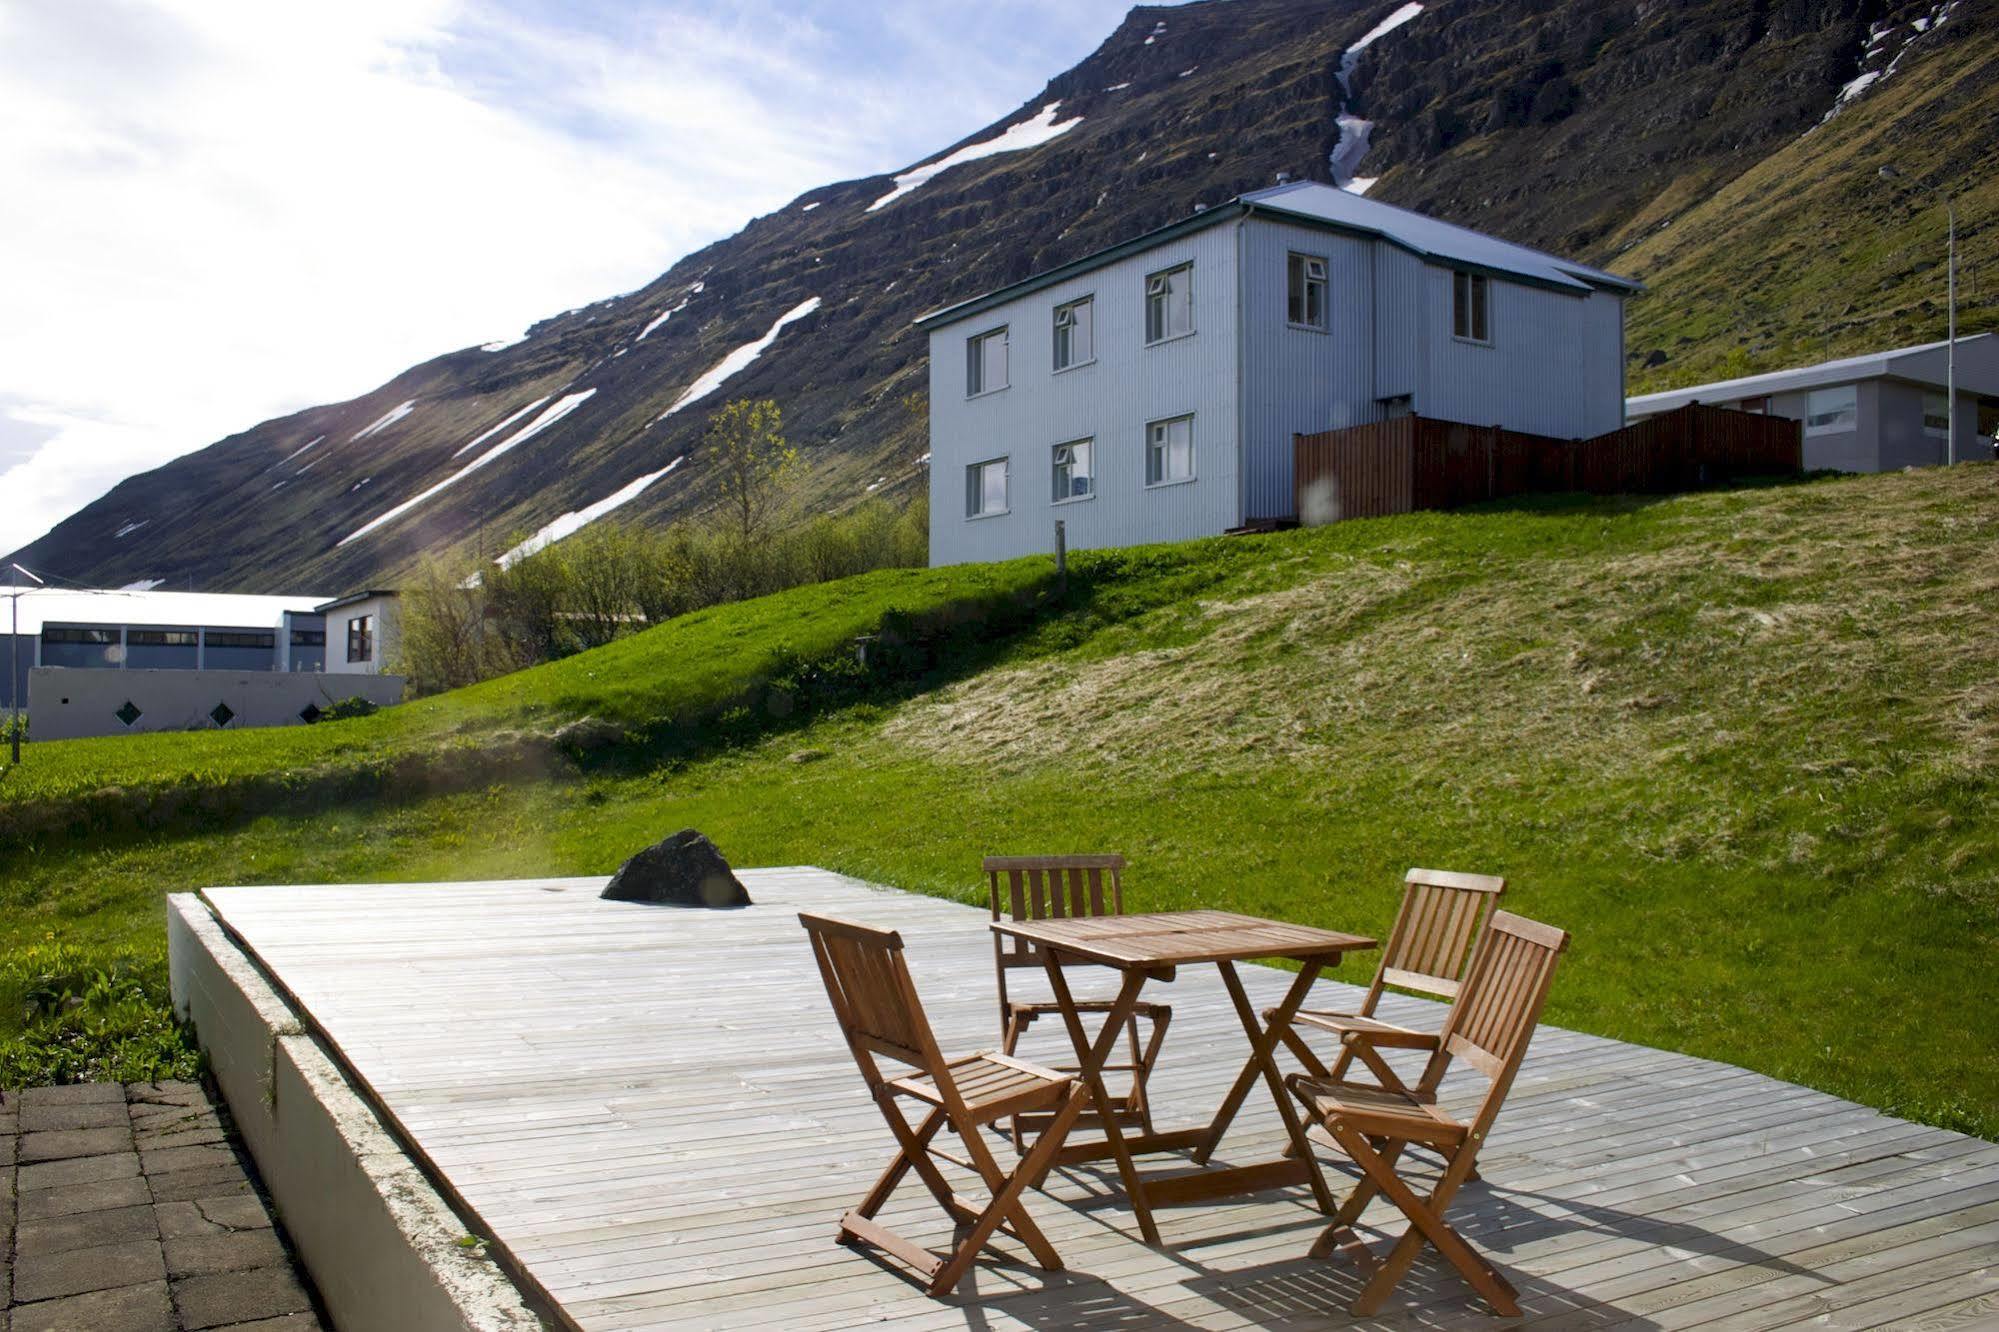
pixel 379 1240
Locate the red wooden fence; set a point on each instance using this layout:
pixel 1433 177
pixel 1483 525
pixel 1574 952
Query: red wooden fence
pixel 1415 462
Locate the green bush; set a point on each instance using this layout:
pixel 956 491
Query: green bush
pixel 79 1016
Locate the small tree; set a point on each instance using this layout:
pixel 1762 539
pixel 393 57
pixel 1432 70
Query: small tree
pixel 753 465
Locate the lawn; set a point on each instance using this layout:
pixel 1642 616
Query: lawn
pixel 1740 744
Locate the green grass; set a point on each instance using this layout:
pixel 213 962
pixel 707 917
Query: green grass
pixel 1740 744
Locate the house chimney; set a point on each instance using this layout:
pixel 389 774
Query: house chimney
pixel 1284 178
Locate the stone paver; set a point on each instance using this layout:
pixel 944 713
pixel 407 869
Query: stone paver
pixel 63 1144
pixel 130 1211
pixel 142 1308
pixel 238 1297
pixel 81 1170
pixel 78 1271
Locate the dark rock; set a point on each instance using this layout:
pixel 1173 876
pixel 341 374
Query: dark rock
pixel 683 870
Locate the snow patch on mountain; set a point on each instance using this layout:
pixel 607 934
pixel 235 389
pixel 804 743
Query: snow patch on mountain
pixel 738 360
pixel 548 418
pixel 501 344
pixel 491 431
pixel 1031 133
pixel 300 449
pixel 129 528
pixel 142 585
pixel 577 519
pixel 385 420
pixel 1877 42
pixel 662 317
pixel 1355 131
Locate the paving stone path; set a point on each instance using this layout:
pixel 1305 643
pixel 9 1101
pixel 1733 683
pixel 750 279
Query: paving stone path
pixel 130 1208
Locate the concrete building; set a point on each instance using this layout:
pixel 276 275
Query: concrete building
pixel 109 662
pixel 366 632
pixel 1872 413
pixel 1149 392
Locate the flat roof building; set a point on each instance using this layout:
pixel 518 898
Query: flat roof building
pixel 1874 413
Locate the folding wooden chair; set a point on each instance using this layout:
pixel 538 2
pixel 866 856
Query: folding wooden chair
pixel 1427 951
pixel 1489 1028
pixel 880 1015
pixel 1036 888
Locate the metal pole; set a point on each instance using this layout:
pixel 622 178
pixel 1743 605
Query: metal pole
pixel 14 664
pixel 1950 357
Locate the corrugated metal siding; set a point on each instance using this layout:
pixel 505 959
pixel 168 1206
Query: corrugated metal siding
pixel 1297 379
pixel 1399 310
pixel 1109 401
pixel 1555 365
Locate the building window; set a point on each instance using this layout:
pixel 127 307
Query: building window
pixel 95 637
pixel 985 488
pixel 1471 317
pixel 1169 451
pixel 162 638
pixel 218 638
pixel 1830 410
pixel 1075 470
pixel 1075 333
pixel 1169 304
pixel 985 363
pixel 1306 307
pixel 1756 406
pixel 361 638
pixel 308 638
pixel 1936 415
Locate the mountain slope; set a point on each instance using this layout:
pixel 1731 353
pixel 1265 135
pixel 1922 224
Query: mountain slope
pixel 1682 143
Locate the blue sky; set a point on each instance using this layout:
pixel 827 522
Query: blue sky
pixel 223 210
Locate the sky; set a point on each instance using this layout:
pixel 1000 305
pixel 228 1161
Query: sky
pixel 221 211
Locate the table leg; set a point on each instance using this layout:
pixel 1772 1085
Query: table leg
pixel 1093 1057
pixel 1262 1042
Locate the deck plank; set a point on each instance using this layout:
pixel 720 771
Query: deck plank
pixel 652 1112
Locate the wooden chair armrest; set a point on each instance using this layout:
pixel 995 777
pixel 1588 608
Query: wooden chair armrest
pixel 1397 1039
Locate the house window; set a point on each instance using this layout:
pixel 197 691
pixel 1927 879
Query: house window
pixel 1169 451
pixel 1831 410
pixel 361 638
pixel 1756 406
pixel 1075 333
pixel 1470 313
pixel 162 638
pixel 985 488
pixel 218 638
pixel 1306 307
pixel 1075 470
pixel 985 363
pixel 308 638
pixel 1936 415
pixel 1169 304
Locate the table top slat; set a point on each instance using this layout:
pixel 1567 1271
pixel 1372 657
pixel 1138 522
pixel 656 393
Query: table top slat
pixel 1173 938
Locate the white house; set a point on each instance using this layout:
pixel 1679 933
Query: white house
pixel 1149 392
pixel 1872 413
pixel 364 633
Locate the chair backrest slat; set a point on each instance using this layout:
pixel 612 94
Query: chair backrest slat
pixel 1430 945
pixel 1050 887
pixel 1493 1019
pixel 873 996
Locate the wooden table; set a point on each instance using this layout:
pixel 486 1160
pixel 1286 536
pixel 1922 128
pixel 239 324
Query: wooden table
pixel 1150 947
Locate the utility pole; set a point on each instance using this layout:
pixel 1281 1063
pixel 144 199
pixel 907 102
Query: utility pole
pixel 14 661
pixel 1950 287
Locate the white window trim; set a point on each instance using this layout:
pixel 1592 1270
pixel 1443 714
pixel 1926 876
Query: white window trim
pixel 1003 329
pixel 1193 460
pixel 1456 336
pixel 980 465
pixel 1095 479
pixel 1326 301
pixel 1091 297
pixel 1194 327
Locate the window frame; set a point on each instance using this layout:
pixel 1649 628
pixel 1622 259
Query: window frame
pixel 1160 480
pixel 1056 496
pixel 1941 430
pixel 1185 267
pixel 975 360
pixel 1055 332
pixel 1294 261
pixel 975 487
pixel 1833 427
pixel 360 638
pixel 1477 289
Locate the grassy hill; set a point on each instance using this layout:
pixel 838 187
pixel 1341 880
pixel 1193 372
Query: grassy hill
pixel 1741 744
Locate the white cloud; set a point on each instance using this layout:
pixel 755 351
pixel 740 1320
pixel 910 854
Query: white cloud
pixel 218 211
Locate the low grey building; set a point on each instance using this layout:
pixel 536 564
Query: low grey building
pixel 1150 391
pixel 1872 413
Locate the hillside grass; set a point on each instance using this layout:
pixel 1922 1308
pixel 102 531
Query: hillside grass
pixel 1741 744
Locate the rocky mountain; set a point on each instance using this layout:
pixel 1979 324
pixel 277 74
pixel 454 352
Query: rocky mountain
pixel 1724 151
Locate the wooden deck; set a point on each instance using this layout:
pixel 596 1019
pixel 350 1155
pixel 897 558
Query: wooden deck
pixel 651 1111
